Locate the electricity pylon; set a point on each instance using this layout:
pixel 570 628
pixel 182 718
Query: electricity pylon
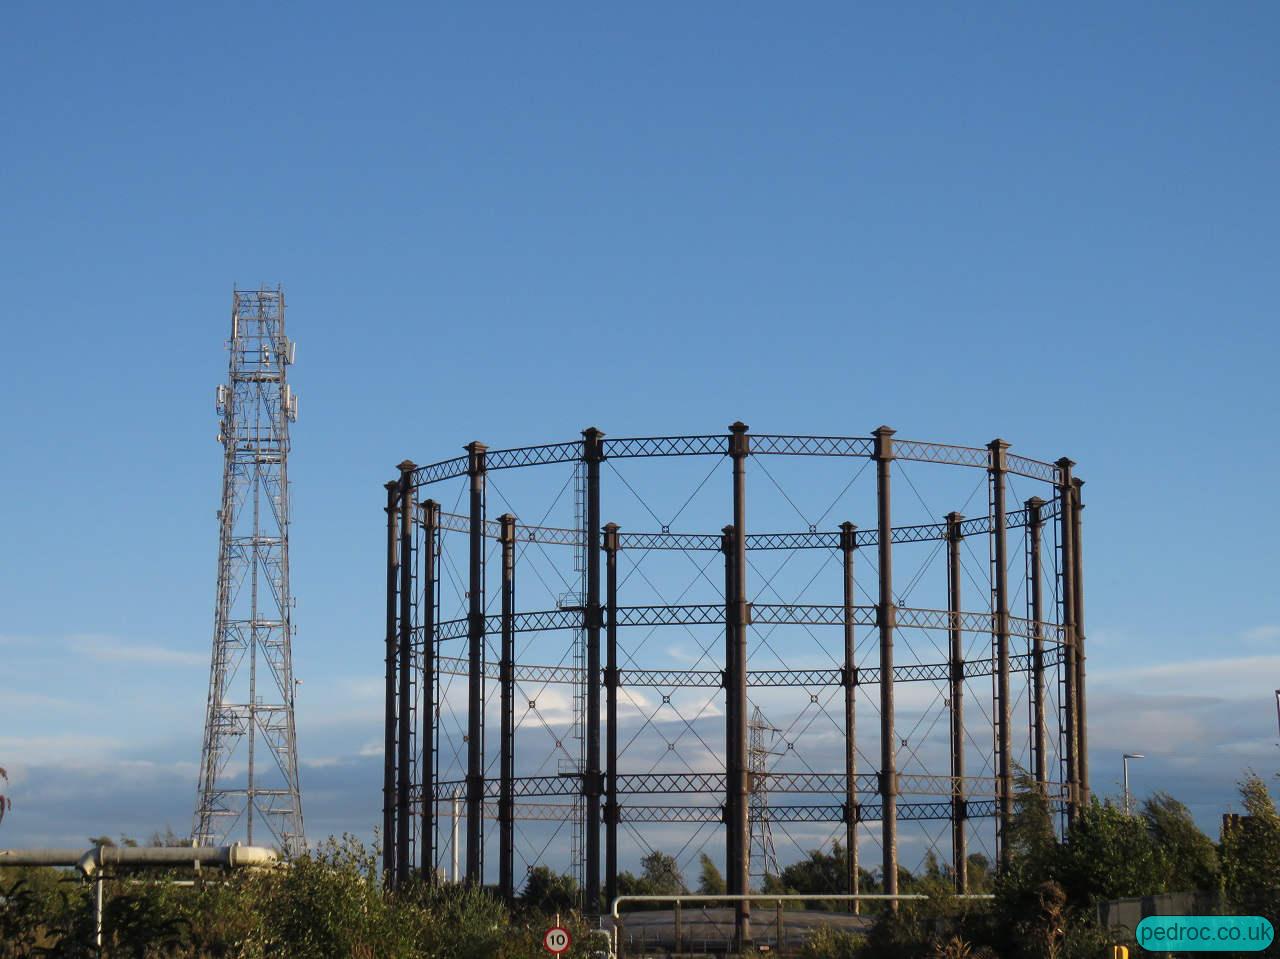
pixel 764 857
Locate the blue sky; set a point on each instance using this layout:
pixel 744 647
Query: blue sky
pixel 511 222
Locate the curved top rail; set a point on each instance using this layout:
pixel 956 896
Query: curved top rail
pixel 711 542
pixel 776 444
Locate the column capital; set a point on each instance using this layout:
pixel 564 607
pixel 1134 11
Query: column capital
pixel 884 442
pixel 592 444
pixel 475 457
pixel 848 535
pixel 998 448
pixel 611 537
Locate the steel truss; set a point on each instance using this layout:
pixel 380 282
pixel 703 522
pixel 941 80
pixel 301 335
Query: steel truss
pixel 1049 654
pixel 251 688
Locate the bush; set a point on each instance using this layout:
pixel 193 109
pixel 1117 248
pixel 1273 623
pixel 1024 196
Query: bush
pixel 829 943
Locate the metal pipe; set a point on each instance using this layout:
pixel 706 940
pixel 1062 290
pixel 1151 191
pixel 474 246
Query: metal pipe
pixel 427 784
pixel 475 670
pixel 389 718
pixel 1069 724
pixel 506 677
pixel 775 897
pixel 730 719
pixel 959 810
pixel 91 861
pixel 455 873
pixel 404 662
pixel 611 711
pixel 739 449
pixel 1082 712
pixel 848 543
pixel 1004 709
pixel 1039 743
pixel 886 614
pixel 592 453
pixel 99 910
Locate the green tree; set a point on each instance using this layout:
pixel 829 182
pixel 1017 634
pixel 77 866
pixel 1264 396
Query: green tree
pixel 710 881
pixel 1110 854
pixel 1190 855
pixel 1251 853
pixel 662 874
pixel 547 892
pixel 659 876
pixel 981 878
pixel 818 873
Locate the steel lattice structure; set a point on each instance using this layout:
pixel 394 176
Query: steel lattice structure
pixel 949 755
pixel 251 687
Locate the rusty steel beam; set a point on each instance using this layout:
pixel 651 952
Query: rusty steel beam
pixel 430 527
pixel 1035 575
pixel 389 717
pixel 959 811
pixel 592 454
pixel 404 694
pixel 611 712
pixel 848 544
pixel 1004 707
pixel 475 668
pixel 739 450
pixel 886 613
pixel 1070 727
pixel 506 679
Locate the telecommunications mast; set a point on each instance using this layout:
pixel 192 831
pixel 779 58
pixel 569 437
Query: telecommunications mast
pixel 251 685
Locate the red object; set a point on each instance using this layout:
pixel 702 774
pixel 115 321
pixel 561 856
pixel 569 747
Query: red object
pixel 557 940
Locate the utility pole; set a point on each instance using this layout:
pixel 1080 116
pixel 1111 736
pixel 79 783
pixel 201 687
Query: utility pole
pixel 1128 799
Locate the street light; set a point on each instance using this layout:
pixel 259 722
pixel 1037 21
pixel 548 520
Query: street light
pixel 1128 800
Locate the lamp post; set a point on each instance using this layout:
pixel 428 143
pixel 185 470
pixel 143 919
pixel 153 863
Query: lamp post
pixel 1128 800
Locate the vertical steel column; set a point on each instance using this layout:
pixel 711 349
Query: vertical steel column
pixel 1004 714
pixel 475 670
pixel 506 677
pixel 730 716
pixel 848 543
pixel 739 450
pixel 886 619
pixel 389 740
pixel 611 714
pixel 404 696
pixel 1039 742
pixel 1066 535
pixel 592 454
pixel 959 804
pixel 1082 712
pixel 430 527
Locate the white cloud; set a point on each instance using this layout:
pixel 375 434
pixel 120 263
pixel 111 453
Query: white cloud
pixel 63 749
pixel 106 649
pixel 1268 633
pixel 14 700
pixel 1237 677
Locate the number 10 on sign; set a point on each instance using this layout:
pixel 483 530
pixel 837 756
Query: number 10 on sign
pixel 557 940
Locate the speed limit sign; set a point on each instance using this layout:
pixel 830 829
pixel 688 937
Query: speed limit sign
pixel 557 940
